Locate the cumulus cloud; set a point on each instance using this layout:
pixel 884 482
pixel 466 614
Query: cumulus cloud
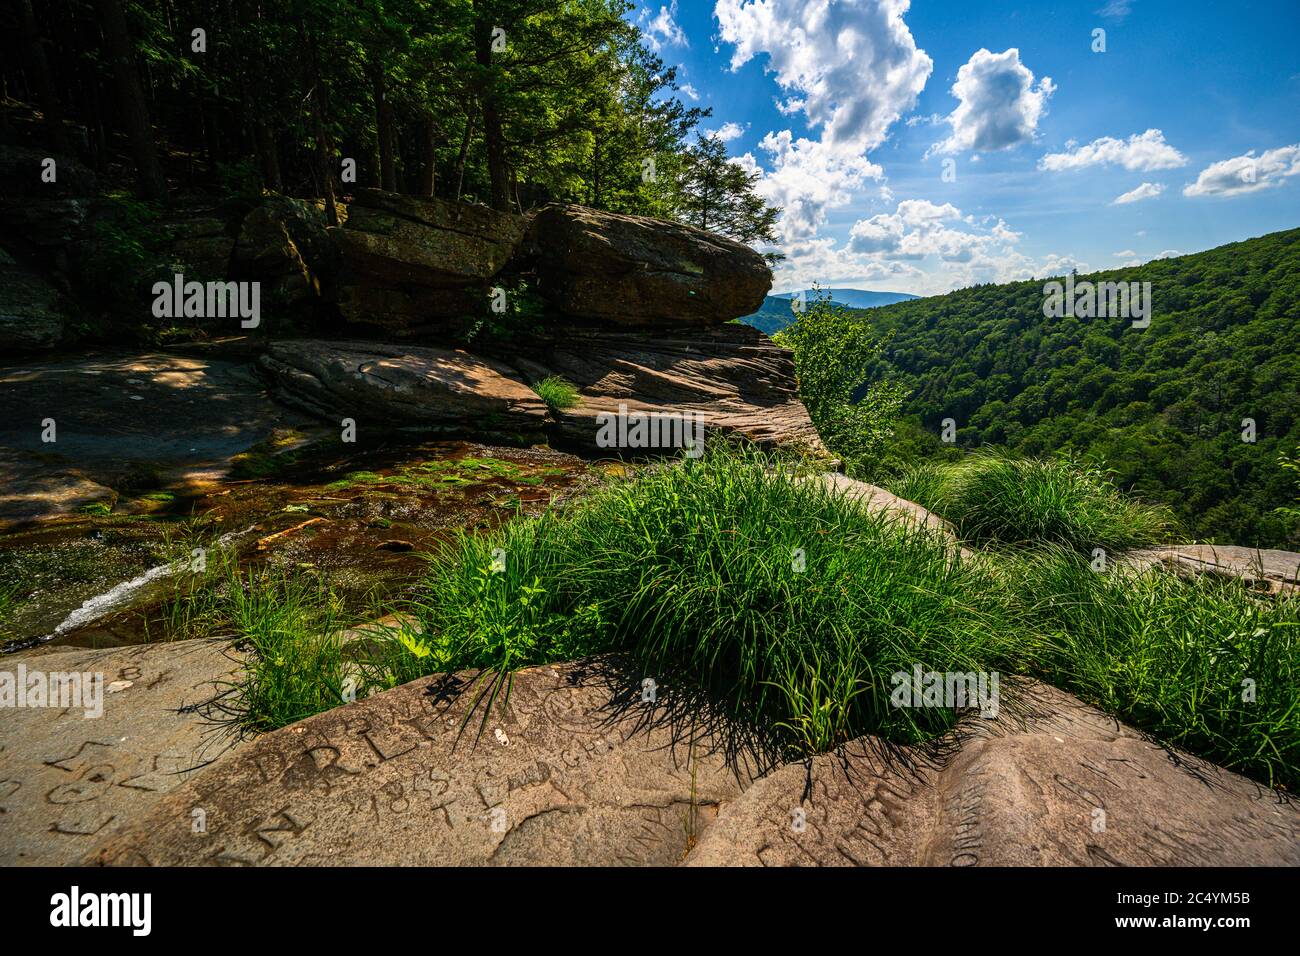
pixel 918 228
pixel 727 132
pixel 999 105
pixel 1247 174
pixel 1145 191
pixel 853 69
pixel 805 178
pixel 690 91
pixel 661 29
pixel 824 262
pixel 1145 151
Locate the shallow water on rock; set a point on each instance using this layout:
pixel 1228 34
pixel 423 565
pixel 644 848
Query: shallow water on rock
pixel 362 520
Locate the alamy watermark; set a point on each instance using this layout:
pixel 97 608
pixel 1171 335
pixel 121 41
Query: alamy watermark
pixel 651 430
pixel 1098 300
pixel 60 689
pixel 951 689
pixel 208 300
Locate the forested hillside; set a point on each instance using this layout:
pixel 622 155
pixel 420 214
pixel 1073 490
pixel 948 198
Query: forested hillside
pixel 1163 406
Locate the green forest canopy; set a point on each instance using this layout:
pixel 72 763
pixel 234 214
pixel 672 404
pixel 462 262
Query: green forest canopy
pixel 1164 406
pixel 506 102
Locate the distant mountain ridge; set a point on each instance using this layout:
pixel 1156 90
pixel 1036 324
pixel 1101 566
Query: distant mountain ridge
pixel 776 314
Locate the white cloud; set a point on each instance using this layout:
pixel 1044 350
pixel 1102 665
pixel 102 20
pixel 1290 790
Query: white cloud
pixel 727 132
pixel 805 178
pixel 1247 174
pixel 1116 9
pixel 852 70
pixel 918 228
pixel 1145 191
pixel 855 67
pixel 690 91
pixel 661 29
pixel 999 105
pixel 1167 254
pixel 1126 254
pixel 1144 152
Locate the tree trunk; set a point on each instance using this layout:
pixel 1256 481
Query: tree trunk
pixel 268 151
pixel 428 139
pixel 383 127
pixel 324 166
pixel 36 62
pixel 130 99
pixel 464 148
pixel 493 138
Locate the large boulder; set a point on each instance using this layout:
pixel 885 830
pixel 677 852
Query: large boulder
pixel 437 391
pixel 284 244
pixel 32 311
pixel 22 169
pixel 406 262
pixel 731 378
pixel 637 271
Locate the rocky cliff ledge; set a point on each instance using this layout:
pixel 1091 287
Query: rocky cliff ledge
pixel 439 317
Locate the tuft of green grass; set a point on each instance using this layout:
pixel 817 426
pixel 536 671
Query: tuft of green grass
pixel 292 625
pixel 790 606
pixel 992 497
pixel 1204 665
pixel 557 393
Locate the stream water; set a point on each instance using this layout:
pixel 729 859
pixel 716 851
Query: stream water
pixel 363 521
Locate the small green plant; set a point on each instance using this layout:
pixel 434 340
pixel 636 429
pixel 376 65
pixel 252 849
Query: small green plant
pixel 291 625
pixel 856 418
pixel 128 246
pixel 557 393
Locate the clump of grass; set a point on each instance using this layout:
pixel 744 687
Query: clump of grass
pixel 558 393
pixel 294 626
pixel 291 624
pixel 1205 665
pixel 791 606
pixel 990 496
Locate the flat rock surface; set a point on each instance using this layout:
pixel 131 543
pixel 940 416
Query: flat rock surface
pixel 1270 570
pixel 117 415
pixel 731 377
pixel 577 770
pixel 68 780
pixel 1059 785
pixel 874 498
pixel 568 773
pixel 396 385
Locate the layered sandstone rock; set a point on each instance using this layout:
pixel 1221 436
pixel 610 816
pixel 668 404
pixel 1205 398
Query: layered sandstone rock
pixel 577 767
pixel 68 781
pixel 406 262
pixel 730 377
pixel 438 391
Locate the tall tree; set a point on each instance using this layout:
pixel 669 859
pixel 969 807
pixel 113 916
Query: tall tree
pixel 131 103
pixel 715 193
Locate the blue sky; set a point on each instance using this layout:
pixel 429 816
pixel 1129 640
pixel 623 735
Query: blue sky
pixel 923 147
